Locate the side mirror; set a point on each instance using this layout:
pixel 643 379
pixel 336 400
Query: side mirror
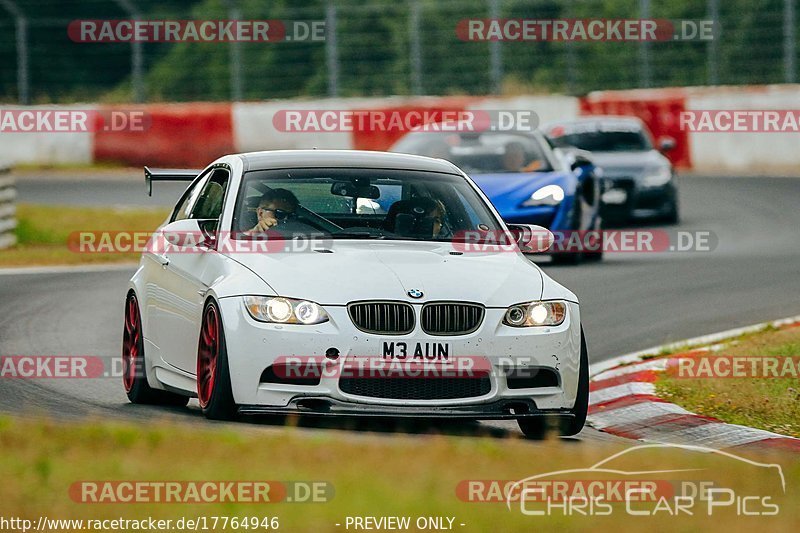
pixel 191 232
pixel 580 161
pixel 666 143
pixel 532 239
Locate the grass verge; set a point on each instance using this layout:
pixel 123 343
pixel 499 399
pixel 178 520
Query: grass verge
pixel 43 232
pixel 765 403
pixel 372 475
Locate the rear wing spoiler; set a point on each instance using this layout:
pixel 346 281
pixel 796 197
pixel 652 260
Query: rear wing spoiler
pixel 167 174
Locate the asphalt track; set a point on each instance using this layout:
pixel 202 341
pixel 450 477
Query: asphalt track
pixel 629 301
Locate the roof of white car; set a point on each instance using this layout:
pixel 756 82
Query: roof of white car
pixel 276 159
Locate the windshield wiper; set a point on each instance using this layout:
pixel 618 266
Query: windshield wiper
pixel 357 235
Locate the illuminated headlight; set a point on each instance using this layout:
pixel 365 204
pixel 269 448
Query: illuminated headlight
pixel 284 310
pixel 657 177
pixel 547 195
pixel 536 314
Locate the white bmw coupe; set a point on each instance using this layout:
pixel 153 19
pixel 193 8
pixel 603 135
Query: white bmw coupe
pixel 350 283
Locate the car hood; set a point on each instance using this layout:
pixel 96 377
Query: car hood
pixel 373 270
pixel 628 163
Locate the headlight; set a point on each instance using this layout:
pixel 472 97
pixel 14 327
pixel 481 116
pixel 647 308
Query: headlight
pixel 284 310
pixel 547 195
pixel 657 177
pixel 536 314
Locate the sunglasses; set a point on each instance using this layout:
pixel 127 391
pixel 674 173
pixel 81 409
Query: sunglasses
pixel 279 214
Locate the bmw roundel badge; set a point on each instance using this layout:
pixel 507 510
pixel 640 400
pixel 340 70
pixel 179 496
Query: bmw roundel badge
pixel 415 293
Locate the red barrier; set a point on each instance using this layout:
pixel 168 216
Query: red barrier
pixel 179 135
pixel 381 139
pixel 659 109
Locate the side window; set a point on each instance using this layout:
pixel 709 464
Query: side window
pixel 184 208
pixel 212 197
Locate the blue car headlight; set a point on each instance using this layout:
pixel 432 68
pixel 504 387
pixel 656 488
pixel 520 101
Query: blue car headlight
pixel 548 195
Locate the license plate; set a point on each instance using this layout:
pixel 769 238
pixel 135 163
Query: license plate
pixel 615 196
pixel 419 351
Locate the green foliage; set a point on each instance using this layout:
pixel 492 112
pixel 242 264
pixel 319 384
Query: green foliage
pixel 374 43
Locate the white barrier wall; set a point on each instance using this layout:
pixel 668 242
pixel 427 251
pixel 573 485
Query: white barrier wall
pixel 47 148
pixel 745 153
pixel 548 108
pixel 249 127
pixel 253 128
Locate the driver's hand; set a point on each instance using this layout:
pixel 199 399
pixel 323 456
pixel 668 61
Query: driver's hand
pixel 265 222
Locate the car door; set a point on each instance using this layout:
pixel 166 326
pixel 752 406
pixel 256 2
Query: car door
pixel 186 272
pixel 154 267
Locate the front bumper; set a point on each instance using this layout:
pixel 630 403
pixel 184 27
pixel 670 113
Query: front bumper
pixel 624 199
pixel 497 410
pixel 252 346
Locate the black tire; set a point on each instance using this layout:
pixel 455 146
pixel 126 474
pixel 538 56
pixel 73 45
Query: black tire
pixel 673 217
pixel 567 258
pixel 134 369
pixel 571 258
pixel 536 428
pixel 216 398
pixel 598 255
pixel 573 425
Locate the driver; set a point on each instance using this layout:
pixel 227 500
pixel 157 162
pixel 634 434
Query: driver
pixel 514 159
pixel 275 206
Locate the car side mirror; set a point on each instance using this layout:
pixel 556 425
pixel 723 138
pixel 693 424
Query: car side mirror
pixel 580 161
pixel 666 143
pixel 532 239
pixel 191 232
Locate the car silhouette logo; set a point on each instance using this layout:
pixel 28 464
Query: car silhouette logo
pixel 415 293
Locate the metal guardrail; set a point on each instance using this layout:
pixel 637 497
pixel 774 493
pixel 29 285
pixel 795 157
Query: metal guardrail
pixel 8 209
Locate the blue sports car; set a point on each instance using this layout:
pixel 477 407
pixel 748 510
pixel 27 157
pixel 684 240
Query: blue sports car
pixel 527 180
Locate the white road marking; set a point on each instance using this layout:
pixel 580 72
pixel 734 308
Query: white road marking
pixel 621 391
pixel 633 415
pixel 688 344
pixel 67 269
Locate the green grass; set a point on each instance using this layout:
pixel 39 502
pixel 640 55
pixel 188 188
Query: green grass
pixel 43 232
pixel 372 474
pixel 771 404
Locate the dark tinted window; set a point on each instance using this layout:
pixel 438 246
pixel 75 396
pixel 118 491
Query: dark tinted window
pixel 479 153
pixel 600 137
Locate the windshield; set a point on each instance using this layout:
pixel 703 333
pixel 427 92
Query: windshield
pixel 601 137
pixel 359 204
pixel 479 153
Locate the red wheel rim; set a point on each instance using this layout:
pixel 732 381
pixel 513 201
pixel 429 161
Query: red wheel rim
pixel 131 340
pixel 207 356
